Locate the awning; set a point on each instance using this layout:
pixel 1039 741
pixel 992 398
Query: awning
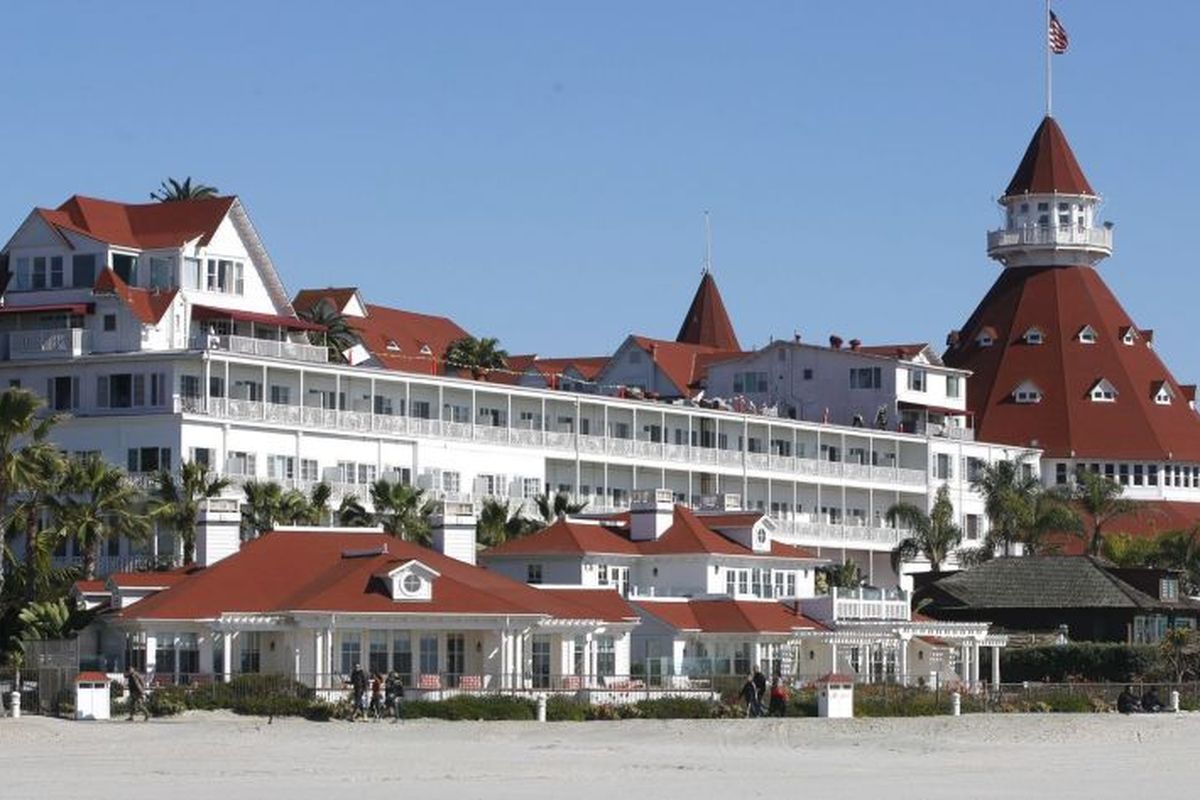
pixel 59 308
pixel 953 412
pixel 291 323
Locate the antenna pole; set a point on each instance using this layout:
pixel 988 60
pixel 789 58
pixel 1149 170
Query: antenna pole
pixel 707 244
pixel 1046 39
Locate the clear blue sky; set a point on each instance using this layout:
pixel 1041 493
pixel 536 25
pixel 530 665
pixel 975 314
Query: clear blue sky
pixel 538 171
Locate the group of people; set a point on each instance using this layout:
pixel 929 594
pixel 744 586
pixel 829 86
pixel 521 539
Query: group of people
pixel 376 696
pixel 1129 703
pixel 755 691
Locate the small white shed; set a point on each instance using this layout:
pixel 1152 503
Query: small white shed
pixel 835 696
pixel 91 696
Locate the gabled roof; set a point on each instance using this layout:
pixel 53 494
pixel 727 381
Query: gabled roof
pixel 730 616
pixel 684 365
pixel 902 352
pixel 147 306
pixel 1059 582
pixel 689 534
pixel 297 571
pixel 706 322
pixel 1048 165
pixel 143 226
pixel 1061 301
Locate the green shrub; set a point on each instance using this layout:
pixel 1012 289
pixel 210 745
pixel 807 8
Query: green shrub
pixel 897 701
pixel 566 709
pixel 167 701
pixel 1083 661
pixel 485 707
pixel 671 708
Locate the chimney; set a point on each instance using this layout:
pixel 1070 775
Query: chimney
pixel 855 344
pixel 454 531
pixel 835 342
pixel 218 530
pixel 796 337
pixel 651 512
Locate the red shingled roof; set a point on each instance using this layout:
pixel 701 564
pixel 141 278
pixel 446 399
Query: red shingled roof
pixel 1060 301
pixel 685 365
pixel 146 305
pixel 1049 166
pixel 706 322
pixel 689 534
pixel 290 571
pixel 730 616
pixel 145 225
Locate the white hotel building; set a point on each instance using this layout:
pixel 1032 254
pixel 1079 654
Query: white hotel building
pixel 164 331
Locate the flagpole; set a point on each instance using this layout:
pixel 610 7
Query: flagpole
pixel 1046 39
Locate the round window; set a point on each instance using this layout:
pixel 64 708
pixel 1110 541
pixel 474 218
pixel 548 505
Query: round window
pixel 412 584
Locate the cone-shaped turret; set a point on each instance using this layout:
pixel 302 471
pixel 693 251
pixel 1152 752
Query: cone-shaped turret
pixel 1049 166
pixel 707 323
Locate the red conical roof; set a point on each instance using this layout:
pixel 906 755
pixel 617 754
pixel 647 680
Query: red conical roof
pixel 1048 166
pixel 707 322
pixel 1066 423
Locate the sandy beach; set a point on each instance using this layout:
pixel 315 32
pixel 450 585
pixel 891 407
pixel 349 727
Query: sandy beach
pixel 216 754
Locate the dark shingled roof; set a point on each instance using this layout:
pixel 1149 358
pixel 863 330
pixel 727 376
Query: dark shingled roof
pixel 1041 582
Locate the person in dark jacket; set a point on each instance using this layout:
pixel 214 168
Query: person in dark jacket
pixel 749 696
pixel 136 685
pixel 1150 701
pixel 358 685
pixel 1128 702
pixel 393 693
pixel 760 685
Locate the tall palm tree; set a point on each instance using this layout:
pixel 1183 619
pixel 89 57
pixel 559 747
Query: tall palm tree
pixel 552 509
pixel 176 502
pixel 499 521
pixel 318 499
pixel 1008 500
pixel 295 508
pixel 98 504
pixel 172 190
pixel 261 507
pixel 1050 516
pixel 934 535
pixel 352 514
pixel 1098 501
pixel 480 356
pixel 402 510
pixel 847 575
pixel 337 335
pixel 43 469
pixel 25 451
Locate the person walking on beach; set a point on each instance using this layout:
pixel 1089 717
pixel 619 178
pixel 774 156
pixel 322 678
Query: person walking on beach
pixel 760 687
pixel 358 685
pixel 778 703
pixel 749 695
pixel 393 689
pixel 376 695
pixel 137 693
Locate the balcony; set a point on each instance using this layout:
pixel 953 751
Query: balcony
pixel 860 605
pixel 60 343
pixel 270 348
pixel 955 432
pixel 827 534
pixel 1067 237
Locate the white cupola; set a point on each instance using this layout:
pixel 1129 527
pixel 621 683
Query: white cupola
pixel 1050 209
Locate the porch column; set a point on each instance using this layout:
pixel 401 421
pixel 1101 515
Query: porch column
pixel 995 665
pixel 318 639
pixel 833 657
pixel 902 666
pixel 965 668
pixel 974 663
pixel 151 652
pixel 206 651
pixel 226 655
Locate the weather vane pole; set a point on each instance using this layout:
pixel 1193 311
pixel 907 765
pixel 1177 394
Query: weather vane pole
pixel 1049 52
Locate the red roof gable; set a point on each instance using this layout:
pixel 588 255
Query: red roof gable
pixel 730 616
pixel 290 571
pixel 1049 166
pixel 1061 301
pixel 689 534
pixel 685 365
pixel 146 305
pixel 706 322
pixel 144 225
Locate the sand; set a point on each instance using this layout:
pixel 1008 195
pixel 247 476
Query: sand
pixel 219 755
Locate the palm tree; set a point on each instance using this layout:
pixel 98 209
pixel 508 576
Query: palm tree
pixel 172 190
pixel 934 535
pixel 402 510
pixel 553 509
pixel 26 458
pixel 318 499
pixel 1098 500
pixel 261 509
pixel 295 509
pixel 352 514
pixel 499 521
pixel 98 504
pixel 1050 516
pixel 847 575
pixel 480 356
pixel 1008 500
pixel 176 502
pixel 337 335
pixel 43 468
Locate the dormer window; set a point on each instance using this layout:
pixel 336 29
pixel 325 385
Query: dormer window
pixel 425 350
pixel 1129 336
pixel 1027 393
pixel 1087 335
pixel 1163 394
pixel 391 345
pixel 409 582
pixel 986 337
pixel 1168 589
pixel 1103 392
pixel 1034 336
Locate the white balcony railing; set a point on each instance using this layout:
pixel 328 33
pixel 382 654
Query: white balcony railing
pixel 271 348
pixel 825 534
pixel 1067 236
pixel 860 604
pixel 60 343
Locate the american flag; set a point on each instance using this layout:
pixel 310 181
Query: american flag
pixel 1058 35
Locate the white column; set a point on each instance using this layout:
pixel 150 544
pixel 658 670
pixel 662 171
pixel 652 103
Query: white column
pixel 902 658
pixel 151 652
pixel 833 657
pixel 965 671
pixel 995 666
pixel 974 664
pixel 318 640
pixel 226 655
